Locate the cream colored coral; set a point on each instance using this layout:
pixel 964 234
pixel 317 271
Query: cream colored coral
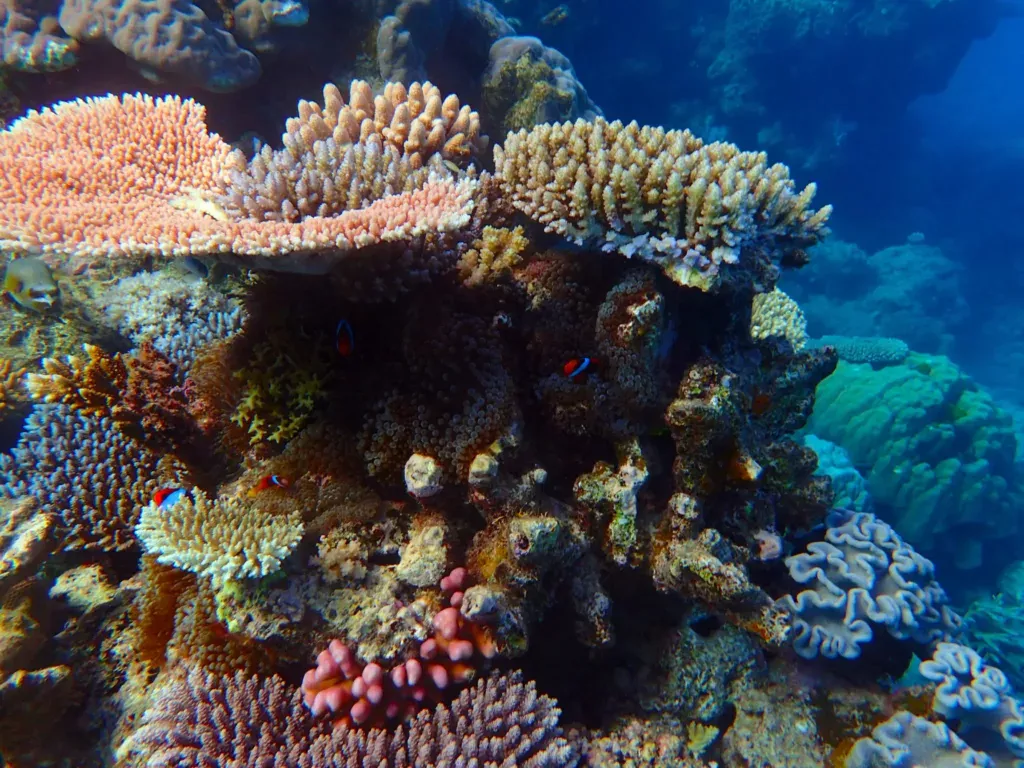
pixel 663 195
pixel 776 314
pixel 418 121
pixel 224 539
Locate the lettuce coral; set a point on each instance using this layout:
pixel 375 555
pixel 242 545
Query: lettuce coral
pixel 934 449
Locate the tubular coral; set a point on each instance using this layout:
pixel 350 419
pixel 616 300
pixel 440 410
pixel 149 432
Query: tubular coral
pixel 134 176
pixel 666 196
pixel 224 539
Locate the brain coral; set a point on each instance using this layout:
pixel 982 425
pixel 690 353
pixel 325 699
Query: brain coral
pixel 934 449
pixel 863 576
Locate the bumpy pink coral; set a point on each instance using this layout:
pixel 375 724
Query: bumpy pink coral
pixel 363 694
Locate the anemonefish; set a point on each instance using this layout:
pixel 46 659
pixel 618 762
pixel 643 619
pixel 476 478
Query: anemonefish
pixel 272 481
pixel 344 339
pixel 576 367
pixel 166 497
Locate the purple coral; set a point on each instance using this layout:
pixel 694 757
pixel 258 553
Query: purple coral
pixel 200 720
pixel 864 576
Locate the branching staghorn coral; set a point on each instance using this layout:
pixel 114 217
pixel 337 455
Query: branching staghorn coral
pixel 177 316
pixel 694 209
pixel 224 539
pixel 89 474
pixel 199 718
pixel 92 385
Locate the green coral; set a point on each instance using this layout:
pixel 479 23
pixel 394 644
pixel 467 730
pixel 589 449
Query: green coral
pixel 523 93
pixel 935 449
pixel 280 391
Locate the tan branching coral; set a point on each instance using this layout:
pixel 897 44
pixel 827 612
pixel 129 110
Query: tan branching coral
pixel 10 386
pixel 776 314
pixel 664 195
pixel 493 256
pixel 224 539
pixel 134 176
pixel 418 121
pixel 93 385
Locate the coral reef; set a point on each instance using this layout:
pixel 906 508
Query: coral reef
pixel 444 445
pixel 861 577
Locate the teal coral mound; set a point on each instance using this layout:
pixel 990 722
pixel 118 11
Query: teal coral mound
pixel 934 449
pixel 994 625
pixel 863 577
pixel 978 696
pixel 851 492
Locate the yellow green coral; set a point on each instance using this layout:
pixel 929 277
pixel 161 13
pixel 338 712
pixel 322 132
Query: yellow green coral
pixel 280 392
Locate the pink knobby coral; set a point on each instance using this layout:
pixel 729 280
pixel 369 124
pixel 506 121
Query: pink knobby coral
pixel 363 694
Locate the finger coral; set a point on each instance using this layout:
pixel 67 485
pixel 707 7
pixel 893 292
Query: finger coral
pixel 694 209
pixel 359 693
pixel 343 156
pixel 224 539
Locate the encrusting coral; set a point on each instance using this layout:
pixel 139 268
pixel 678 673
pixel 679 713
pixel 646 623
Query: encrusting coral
pixel 10 387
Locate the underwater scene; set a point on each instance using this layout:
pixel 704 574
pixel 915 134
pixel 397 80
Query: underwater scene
pixel 511 384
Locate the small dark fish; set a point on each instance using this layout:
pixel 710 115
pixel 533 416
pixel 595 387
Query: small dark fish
pixel 555 16
pixel 196 267
pixel 272 481
pixel 344 339
pixel 576 367
pixel 167 497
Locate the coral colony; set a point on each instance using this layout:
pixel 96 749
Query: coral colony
pixel 395 445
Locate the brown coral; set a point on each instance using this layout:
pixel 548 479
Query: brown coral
pixel 93 385
pixel 10 387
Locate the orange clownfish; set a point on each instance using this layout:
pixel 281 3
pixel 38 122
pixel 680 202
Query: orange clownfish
pixel 576 367
pixel 344 339
pixel 271 481
pixel 166 497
